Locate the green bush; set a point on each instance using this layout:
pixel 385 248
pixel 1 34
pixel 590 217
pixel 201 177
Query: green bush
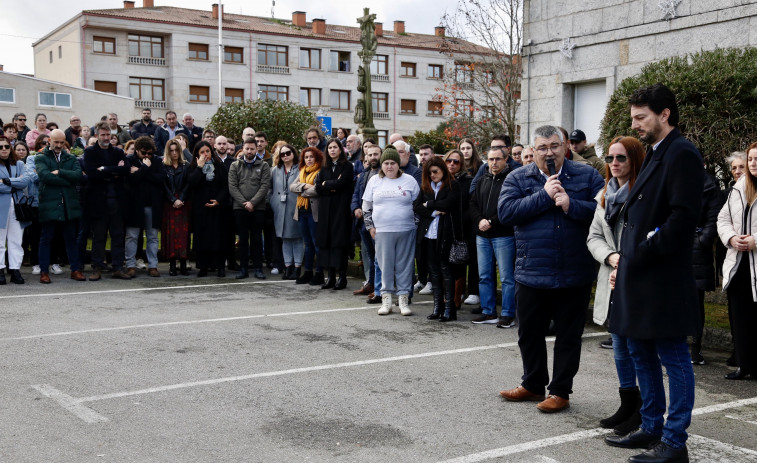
pixel 716 94
pixel 280 120
pixel 434 138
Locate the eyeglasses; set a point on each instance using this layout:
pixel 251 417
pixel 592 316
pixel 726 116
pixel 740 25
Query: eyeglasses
pixel 453 161
pixel 434 171
pixel 21 120
pixel 544 149
pixel 621 158
pixel 285 153
pixel 5 147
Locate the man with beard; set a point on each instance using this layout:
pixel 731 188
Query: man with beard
pixel 228 239
pixel 21 129
pixel 73 132
pixel 145 126
pixel 372 155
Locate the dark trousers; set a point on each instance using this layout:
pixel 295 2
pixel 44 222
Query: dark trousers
pixel 30 242
pixel 439 273
pixel 273 253
pixel 113 222
pixel 743 317
pixel 365 236
pixel 421 262
pixel 229 236
pixel 535 308
pixel 69 229
pixel 249 227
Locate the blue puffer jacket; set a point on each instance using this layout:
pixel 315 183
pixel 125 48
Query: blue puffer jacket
pixel 550 244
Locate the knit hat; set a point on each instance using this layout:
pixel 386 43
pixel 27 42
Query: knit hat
pixel 390 154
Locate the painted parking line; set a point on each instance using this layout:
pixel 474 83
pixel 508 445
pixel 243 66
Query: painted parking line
pixel 741 419
pixel 69 401
pixel 703 449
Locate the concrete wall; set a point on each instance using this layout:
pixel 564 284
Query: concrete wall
pixel 613 40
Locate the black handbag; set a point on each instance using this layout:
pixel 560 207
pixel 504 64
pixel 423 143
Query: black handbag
pixel 24 210
pixel 458 252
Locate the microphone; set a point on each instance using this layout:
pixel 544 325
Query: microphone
pixel 551 166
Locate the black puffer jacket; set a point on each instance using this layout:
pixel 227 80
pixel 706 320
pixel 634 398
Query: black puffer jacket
pixel 483 204
pixel 706 233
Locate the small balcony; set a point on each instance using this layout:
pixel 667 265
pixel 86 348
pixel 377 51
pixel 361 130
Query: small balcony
pixel 150 104
pixel 465 85
pixel 273 69
pixel 147 61
pixel 380 77
pixel 381 116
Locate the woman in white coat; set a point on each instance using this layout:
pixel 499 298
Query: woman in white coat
pixel 737 228
pixel 11 230
pixel 624 159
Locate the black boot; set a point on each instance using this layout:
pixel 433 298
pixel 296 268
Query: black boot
pixel 305 278
pixel 317 279
pixel 341 283
pixel 243 273
pixel 2 277
pixel 630 403
pixel 438 304
pixel 172 267
pixel 296 273
pixel 16 277
pixel 696 351
pixel 288 272
pixel 183 267
pixel 450 312
pixel 331 281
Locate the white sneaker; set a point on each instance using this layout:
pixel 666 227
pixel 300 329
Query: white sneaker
pixel 141 264
pixel 274 271
pixel 428 289
pixel 418 286
pixel 404 305
pixel 386 304
pixel 36 270
pixel 55 268
pixel 472 300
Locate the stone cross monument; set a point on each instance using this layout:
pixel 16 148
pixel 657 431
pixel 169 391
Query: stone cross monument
pixel 364 107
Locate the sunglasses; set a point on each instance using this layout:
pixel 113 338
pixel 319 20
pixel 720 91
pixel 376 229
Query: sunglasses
pixel 435 172
pixel 621 158
pixel 5 147
pixel 21 120
pixel 285 153
pixel 453 161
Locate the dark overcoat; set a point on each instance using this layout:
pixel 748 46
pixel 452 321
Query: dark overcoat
pixel 706 235
pixel 655 293
pixel 450 223
pixel 334 187
pixel 145 188
pixel 207 225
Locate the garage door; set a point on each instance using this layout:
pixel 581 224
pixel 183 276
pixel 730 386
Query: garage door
pixel 590 101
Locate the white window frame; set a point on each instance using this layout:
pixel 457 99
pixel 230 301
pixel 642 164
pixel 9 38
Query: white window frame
pixel 55 99
pixel 13 92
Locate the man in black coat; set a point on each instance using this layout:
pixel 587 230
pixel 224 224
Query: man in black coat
pixel 654 303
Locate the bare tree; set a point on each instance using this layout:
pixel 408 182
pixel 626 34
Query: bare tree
pixel 482 92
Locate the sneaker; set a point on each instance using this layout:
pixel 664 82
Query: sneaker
pixel 486 320
pixel 606 344
pixel 506 322
pixel 697 358
pixel 55 268
pixel 36 270
pixel 428 289
pixel 403 303
pixel 418 286
pixel 274 271
pixel 386 305
pixel 472 299
pixel 141 264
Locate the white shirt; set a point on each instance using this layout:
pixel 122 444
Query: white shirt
pixel 392 200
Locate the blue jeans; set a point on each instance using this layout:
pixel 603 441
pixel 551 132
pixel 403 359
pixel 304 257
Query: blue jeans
pixel 648 355
pixel 307 230
pixel 623 362
pixel 132 235
pixel 503 250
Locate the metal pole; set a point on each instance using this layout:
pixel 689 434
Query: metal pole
pixel 221 99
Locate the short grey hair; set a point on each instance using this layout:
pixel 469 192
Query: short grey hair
pixel 185 116
pixel 405 146
pixel 740 155
pixel 548 131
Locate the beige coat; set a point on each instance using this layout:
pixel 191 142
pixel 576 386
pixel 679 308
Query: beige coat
pixel 601 243
pixel 730 224
pixel 311 194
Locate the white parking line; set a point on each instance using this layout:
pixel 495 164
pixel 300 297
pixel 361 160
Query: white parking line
pixel 741 419
pixel 69 403
pixel 709 450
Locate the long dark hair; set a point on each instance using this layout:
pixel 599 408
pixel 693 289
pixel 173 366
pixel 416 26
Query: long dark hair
pixel 20 143
pixel 196 153
pixel 295 154
pixel 475 162
pixel 426 180
pixel 636 154
pixel 342 156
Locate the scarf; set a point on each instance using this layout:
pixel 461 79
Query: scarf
pixel 307 175
pixel 209 170
pixel 615 198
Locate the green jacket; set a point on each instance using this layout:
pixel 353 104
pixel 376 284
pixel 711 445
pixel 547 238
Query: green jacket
pixel 590 155
pixel 58 196
pixel 249 182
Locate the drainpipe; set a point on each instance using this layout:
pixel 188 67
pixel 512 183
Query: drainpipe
pixel 249 64
pixel 84 55
pixel 394 98
pixel 220 53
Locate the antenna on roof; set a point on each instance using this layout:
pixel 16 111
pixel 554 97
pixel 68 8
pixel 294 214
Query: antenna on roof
pixel 273 5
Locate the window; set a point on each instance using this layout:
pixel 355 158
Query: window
pixel 51 56
pixel 141 88
pixel 145 46
pixel 273 92
pixel 434 108
pixel 464 107
pixel 340 99
pixel 106 45
pixel 463 73
pixel 234 95
pixel 310 58
pixel 489 76
pixel 198 51
pixel 60 100
pixel 383 136
pixel 407 69
pixel 233 55
pixel 60 51
pixel 273 55
pixel 105 86
pixel 339 61
pixel 380 102
pixel 488 112
pixel 198 94
pixel 310 97
pixel 435 71
pixel 379 65
pixel 407 106
pixel 7 95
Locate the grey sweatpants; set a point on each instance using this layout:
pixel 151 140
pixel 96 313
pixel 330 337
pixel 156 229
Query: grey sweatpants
pixel 395 252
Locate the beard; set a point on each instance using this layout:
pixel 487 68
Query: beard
pixel 374 165
pixel 650 136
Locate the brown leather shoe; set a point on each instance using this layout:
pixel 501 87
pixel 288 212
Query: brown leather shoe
pixel 44 278
pixel 132 272
pixel 78 276
pixel 95 275
pixel 365 290
pixel 118 274
pixel 553 404
pixel 521 394
pixel 153 272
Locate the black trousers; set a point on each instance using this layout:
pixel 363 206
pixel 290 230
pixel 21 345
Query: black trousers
pixel 421 263
pixel 113 222
pixel 439 273
pixel 743 317
pixel 249 227
pixel 229 235
pixel 535 308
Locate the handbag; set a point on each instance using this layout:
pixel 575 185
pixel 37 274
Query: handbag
pixel 458 252
pixel 24 210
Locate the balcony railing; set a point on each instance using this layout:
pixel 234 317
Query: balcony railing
pixel 150 104
pixel 465 85
pixel 148 61
pixel 273 69
pixel 381 116
pixel 380 77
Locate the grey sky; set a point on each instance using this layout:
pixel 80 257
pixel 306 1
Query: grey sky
pixel 26 22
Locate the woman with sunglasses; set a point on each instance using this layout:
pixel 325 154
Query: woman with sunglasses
pixel 30 243
pixel 624 159
pixel 283 204
pixel 11 230
pixel 41 142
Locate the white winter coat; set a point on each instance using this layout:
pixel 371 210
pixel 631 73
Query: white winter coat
pixel 602 242
pixel 730 224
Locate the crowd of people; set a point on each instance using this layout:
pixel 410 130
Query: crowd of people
pixel 536 221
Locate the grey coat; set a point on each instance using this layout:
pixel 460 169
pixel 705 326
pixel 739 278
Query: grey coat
pixel 283 212
pixel 602 241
